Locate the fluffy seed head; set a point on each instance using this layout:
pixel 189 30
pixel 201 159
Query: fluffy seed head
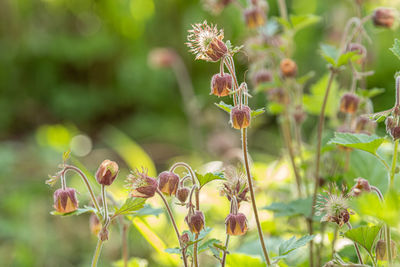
pixel 140 184
pixel 65 200
pixel 235 185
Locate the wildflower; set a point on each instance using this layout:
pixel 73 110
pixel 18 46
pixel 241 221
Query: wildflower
pixel 362 185
pixel 288 67
pixel 384 17
pixel 240 117
pixel 262 76
pixel 221 84
pixel 299 115
pixel 107 172
pixel 235 185
pixel 206 43
pixel 184 239
pixel 381 250
pixel 254 17
pixel 236 224
pixel 182 194
pixel 168 182
pixel 278 95
pixel 334 206
pixel 141 185
pixel 349 103
pixel 195 221
pixel 65 200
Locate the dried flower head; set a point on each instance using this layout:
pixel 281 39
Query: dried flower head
pixel 235 184
pixel 65 200
pixel 205 41
pixel 140 184
pixel 333 205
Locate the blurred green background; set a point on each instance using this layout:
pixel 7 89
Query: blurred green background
pixel 75 74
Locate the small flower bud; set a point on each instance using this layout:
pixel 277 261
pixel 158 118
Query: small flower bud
pixel 236 224
pixel 362 185
pixel 362 124
pixel 395 132
pixel 240 117
pixel 384 17
pixel 299 115
pixel 195 221
pixel 221 85
pixel 107 172
pixel 349 103
pixel 182 194
pixel 262 76
pixel 141 185
pixel 254 17
pixel 65 200
pixel 390 124
pixel 94 224
pixel 216 49
pixel 168 182
pixel 288 67
pixel 184 239
pixel 381 250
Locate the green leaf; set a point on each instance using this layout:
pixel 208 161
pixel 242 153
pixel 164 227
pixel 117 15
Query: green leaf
pixel 243 260
pixel 305 78
pixel 369 143
pixel 79 211
pixel 364 235
pixel 296 207
pixel 302 21
pixel 370 93
pixel 346 57
pixel 130 206
pixel 275 108
pixel 292 244
pixel 132 262
pixel 329 53
pixel 208 243
pixel 225 107
pixel 396 48
pixel 255 113
pixel 208 177
pixel 148 210
pixel 173 250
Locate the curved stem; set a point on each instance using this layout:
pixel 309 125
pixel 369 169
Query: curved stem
pixel 171 216
pixel 125 250
pixel 86 181
pixel 356 246
pixel 252 195
pixel 394 161
pixel 317 160
pixel 97 252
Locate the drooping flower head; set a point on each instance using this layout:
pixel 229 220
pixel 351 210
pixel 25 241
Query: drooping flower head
pixel 333 205
pixel 205 41
pixel 140 184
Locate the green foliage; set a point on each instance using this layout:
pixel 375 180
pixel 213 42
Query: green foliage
pixel 296 207
pixel 290 245
pixel 368 143
pixel 243 260
pixel 208 177
pixel 364 235
pixel 370 93
pixel 79 211
pixel 132 262
pixel 226 107
pixel 299 22
pixel 335 58
pixel 130 206
pixel 396 48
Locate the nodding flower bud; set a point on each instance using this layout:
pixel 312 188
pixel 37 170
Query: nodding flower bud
pixel 349 103
pixel 168 182
pixel 381 250
pixel 288 67
pixel 94 224
pixel 384 17
pixel 362 185
pixel 299 115
pixel 360 49
pixel 141 185
pixel 182 194
pixel 395 133
pixel 195 221
pixel 262 76
pixel 65 200
pixel 390 124
pixel 107 172
pixel 216 49
pixel 236 224
pixel 221 85
pixel 362 124
pixel 240 117
pixel 184 239
pixel 254 17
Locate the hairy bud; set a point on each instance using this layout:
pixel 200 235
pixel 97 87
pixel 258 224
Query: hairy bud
pixel 254 17
pixel 384 17
pixel 195 221
pixel 262 76
pixel 182 194
pixel 349 103
pixel 221 85
pixel 107 172
pixel 236 224
pixel 299 115
pixel 65 200
pixel 240 117
pixel 168 182
pixel 288 67
pixel 362 185
pixel 184 239
pixel 381 250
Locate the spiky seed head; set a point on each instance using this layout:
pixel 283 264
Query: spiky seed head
pixel 140 184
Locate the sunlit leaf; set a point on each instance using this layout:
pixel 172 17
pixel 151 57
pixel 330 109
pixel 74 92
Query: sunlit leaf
pixel 255 113
pixel 132 262
pixel 225 107
pixel 301 21
pixel 243 260
pixel 208 177
pixel 396 48
pixel 369 143
pixel 329 53
pixel 370 93
pixel 275 108
pixel 79 211
pixel 131 205
pixel 364 235
pixel 288 246
pixel 294 208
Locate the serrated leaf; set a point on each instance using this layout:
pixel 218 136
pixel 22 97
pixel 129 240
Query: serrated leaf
pixel 131 205
pixel 207 244
pixel 346 57
pixel 369 143
pixel 79 211
pixel 292 244
pixel 296 207
pixel 148 210
pixel 208 177
pixel 364 235
pixel 396 48
pixel 225 107
pixel 329 53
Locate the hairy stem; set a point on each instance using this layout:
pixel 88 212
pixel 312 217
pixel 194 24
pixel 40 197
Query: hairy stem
pixel 103 198
pixel 252 195
pixel 225 251
pixel 97 252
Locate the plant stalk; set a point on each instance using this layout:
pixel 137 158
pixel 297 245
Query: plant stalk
pixel 97 252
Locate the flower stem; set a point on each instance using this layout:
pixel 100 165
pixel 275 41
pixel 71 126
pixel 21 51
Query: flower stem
pixel 171 216
pixel 394 161
pixel 317 160
pixel 225 251
pixel 104 200
pixel 283 9
pixel 253 199
pixel 388 244
pixel 97 252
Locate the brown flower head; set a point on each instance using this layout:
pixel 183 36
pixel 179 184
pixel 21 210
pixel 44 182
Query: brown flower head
pixel 349 103
pixel 381 252
pixel 262 76
pixel 278 95
pixel 168 182
pixel 65 200
pixel 240 117
pixel 215 6
pixel 141 185
pixel 107 172
pixel 362 185
pixel 205 41
pixel 254 17
pixel 288 67
pixel 236 224
pixel 333 205
pixel 182 194
pixel 384 17
pixel 195 221
pixel 221 85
